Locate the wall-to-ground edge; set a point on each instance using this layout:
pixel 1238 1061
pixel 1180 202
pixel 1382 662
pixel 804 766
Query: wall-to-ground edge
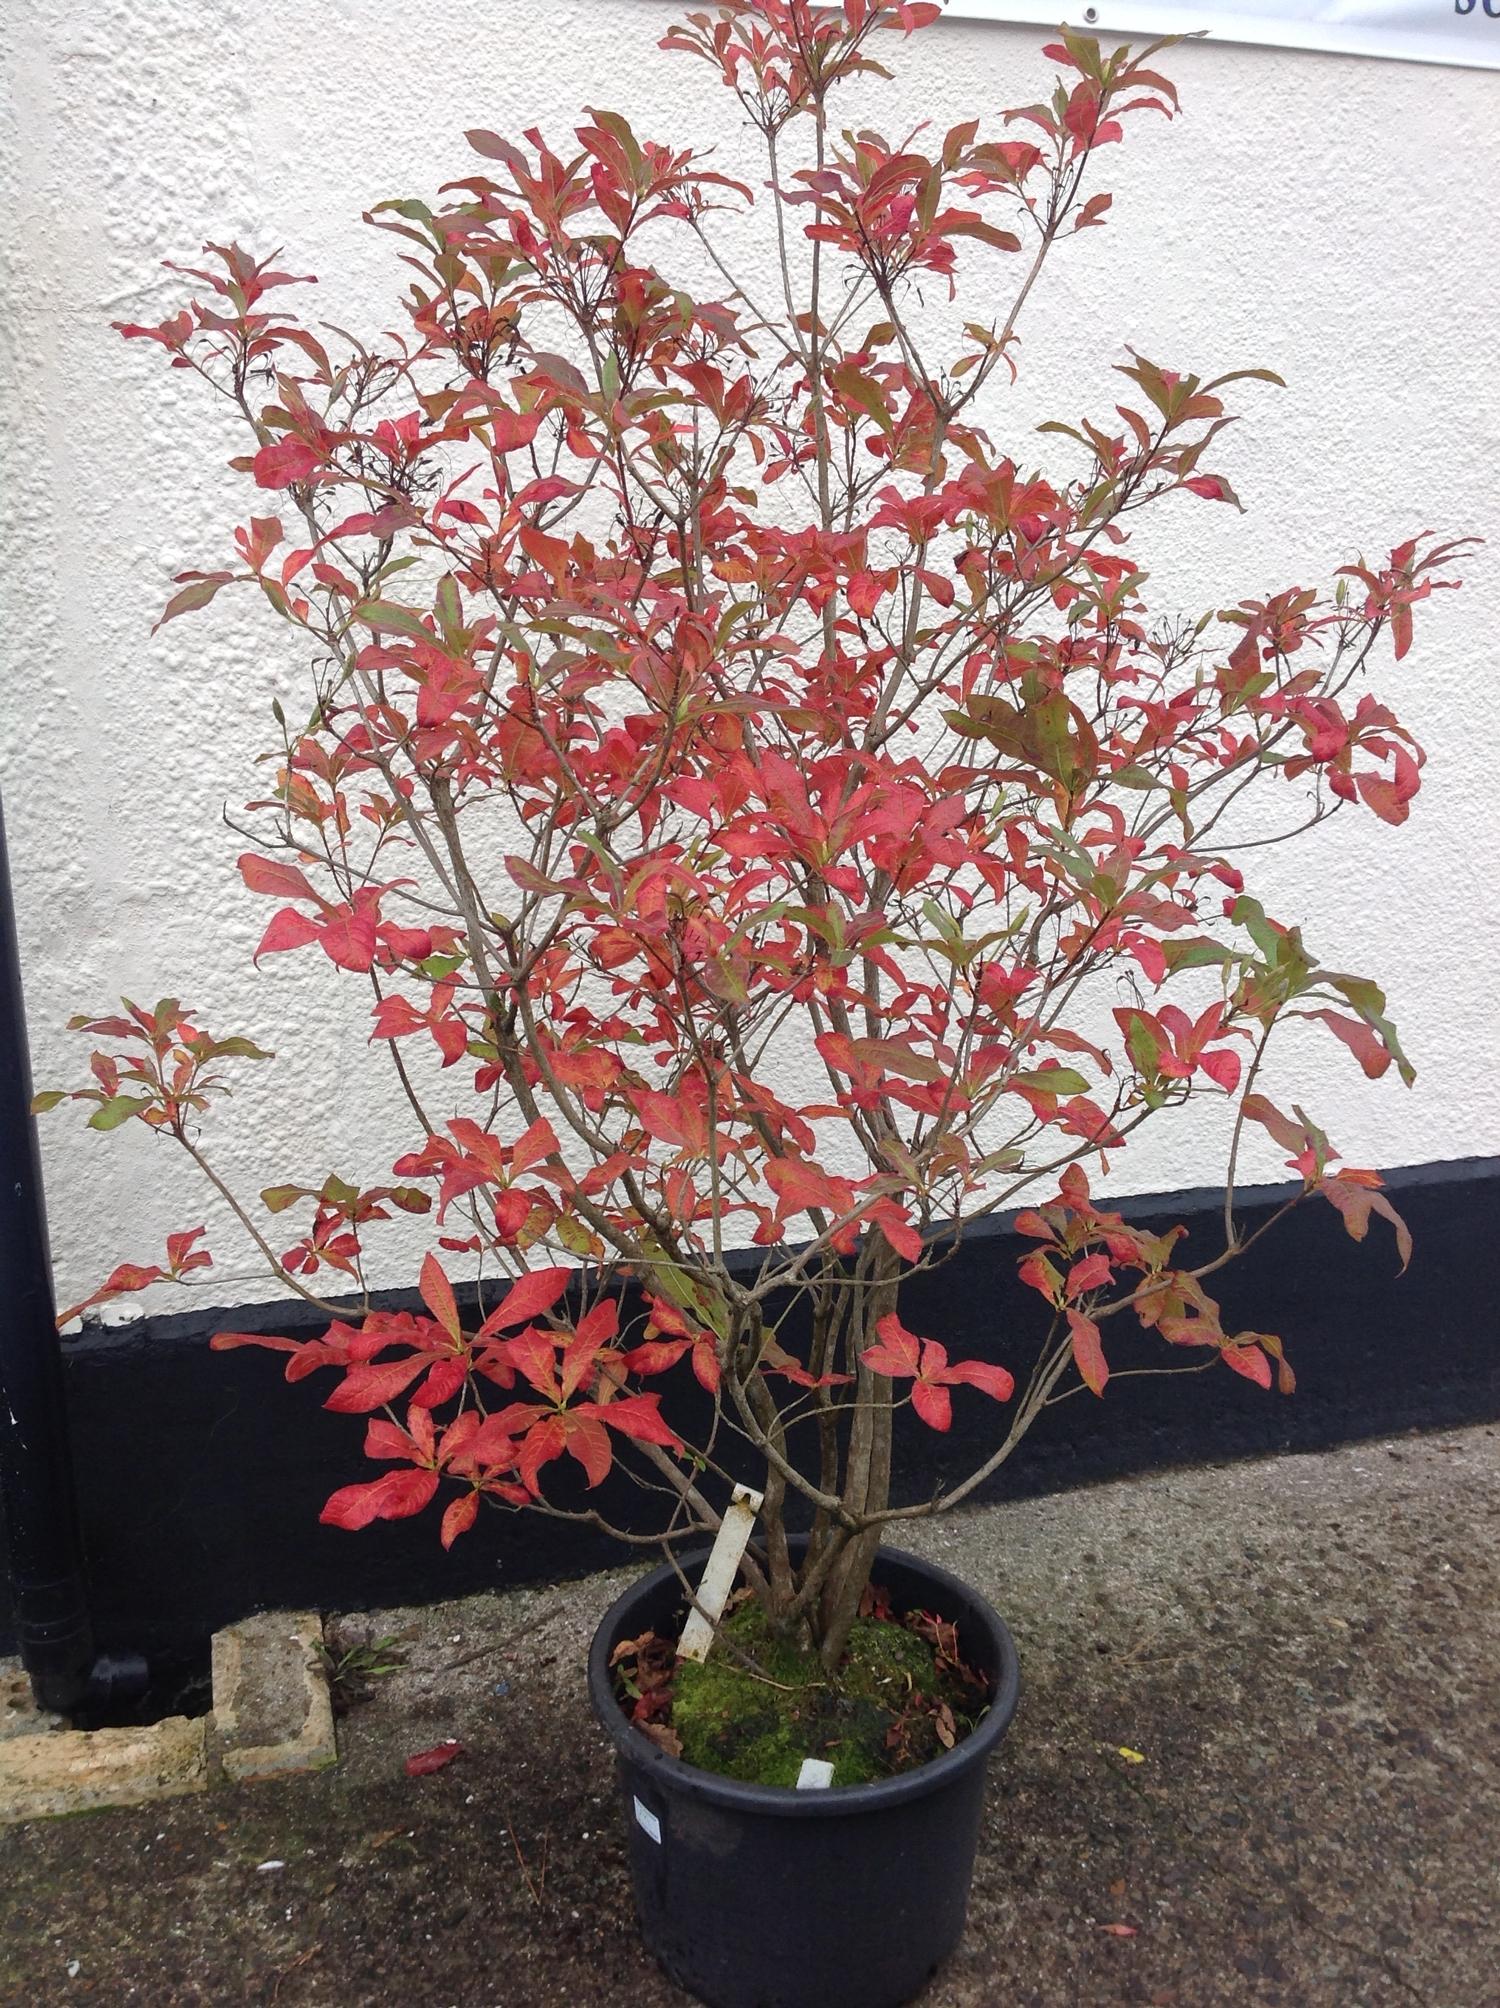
pixel 200 1475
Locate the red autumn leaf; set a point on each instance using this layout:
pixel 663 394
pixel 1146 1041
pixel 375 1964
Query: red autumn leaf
pixel 1088 1351
pixel 801 1185
pixel 532 1146
pixel 639 1415
pixel 120 1282
pixel 285 461
pixel 459 1517
pixel 578 1431
pixel 288 929
pixel 1090 1272
pixel 228 1342
pixel 274 876
pixel 348 935
pixel 396 1496
pixel 1222 1066
pixel 384 1438
pixel 182 1256
pixel 512 1211
pixel 1249 1361
pixel 442 1383
pixel 991 1380
pixel 1037 1271
pixel 407 944
pixel 396 1017
pixel 437 1295
pixel 902 1355
pixel 1391 800
pixel 1213 488
pixel 587 1442
pixel 656 1355
pixel 512 430
pixel 864 591
pixel 422 1763
pixel 899 1352
pixel 933 1404
pixel 1356 1200
pixel 367 1387
pixel 705 1364
pixel 532 1294
pixel 1372 1054
pixel 895 1224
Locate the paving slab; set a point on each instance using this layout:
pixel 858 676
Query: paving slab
pixel 272 1712
pixel 80 1771
pixel 1302 1654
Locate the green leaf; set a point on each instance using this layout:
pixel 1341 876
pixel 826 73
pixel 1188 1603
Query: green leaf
pixel 1247 376
pixel 236 1048
pixel 1051 1081
pixel 1144 1047
pixel 409 207
pixel 573 1235
pixel 1199 954
pixel 277 1198
pixel 193 596
pixel 385 616
pixel 47 1099
pixel 450 611
pixel 1251 915
pixel 892 1057
pixel 852 384
pixel 1368 999
pixel 118 1109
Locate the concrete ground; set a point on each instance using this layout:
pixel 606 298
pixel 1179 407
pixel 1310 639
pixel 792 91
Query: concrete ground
pixel 1304 1653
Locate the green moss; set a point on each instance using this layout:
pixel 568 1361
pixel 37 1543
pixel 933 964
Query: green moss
pixel 759 1724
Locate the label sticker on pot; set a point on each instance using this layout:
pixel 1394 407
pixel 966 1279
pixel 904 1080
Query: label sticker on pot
pixel 647 1819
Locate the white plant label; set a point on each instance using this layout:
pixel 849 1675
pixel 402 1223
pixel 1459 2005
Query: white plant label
pixel 815 1776
pixel 718 1578
pixel 648 1822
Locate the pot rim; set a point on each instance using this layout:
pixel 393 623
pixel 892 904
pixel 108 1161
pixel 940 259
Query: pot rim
pixel 786 1801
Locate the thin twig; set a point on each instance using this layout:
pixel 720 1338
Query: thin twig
pixel 511 1638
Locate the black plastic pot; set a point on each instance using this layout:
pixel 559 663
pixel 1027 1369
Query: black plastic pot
pixel 757 1896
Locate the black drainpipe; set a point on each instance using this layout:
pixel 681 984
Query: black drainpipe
pixel 49 1600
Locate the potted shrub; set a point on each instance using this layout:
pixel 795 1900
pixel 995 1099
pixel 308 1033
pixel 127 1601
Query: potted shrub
pixel 774 836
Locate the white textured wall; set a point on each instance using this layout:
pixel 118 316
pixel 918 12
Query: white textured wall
pixel 1335 218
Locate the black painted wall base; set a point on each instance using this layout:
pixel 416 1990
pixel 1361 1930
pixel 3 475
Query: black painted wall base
pixel 201 1474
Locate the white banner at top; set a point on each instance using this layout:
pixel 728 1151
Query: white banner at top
pixel 1464 32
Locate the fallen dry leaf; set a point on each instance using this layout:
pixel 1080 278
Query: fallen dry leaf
pixel 436 1759
pixel 663 1734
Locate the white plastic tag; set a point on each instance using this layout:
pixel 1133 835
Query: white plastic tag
pixel 644 1817
pixel 816 1774
pixel 729 1547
